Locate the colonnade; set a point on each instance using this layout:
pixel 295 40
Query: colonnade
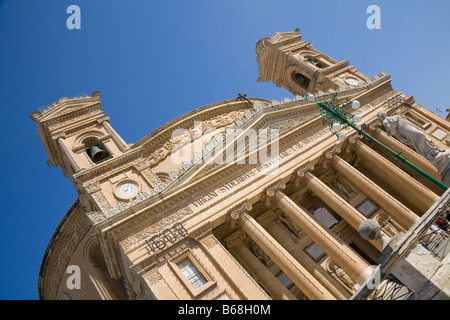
pixel 311 278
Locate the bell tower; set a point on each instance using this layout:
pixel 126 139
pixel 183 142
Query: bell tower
pixel 77 134
pixel 291 63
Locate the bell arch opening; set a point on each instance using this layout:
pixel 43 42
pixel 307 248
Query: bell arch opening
pixel 96 150
pixel 300 80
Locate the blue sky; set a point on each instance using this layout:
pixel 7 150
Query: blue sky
pixel 156 60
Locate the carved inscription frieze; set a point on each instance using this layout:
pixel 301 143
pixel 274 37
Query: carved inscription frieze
pixel 155 228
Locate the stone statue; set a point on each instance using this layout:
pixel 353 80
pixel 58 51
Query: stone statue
pixel 409 134
pixel 291 225
pixel 341 274
pixel 337 183
pixel 388 227
pixel 260 254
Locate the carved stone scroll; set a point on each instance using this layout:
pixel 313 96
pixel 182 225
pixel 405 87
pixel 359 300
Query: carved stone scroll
pixel 234 239
pixel 236 211
pixel 95 217
pixel 266 218
pixel 270 190
pixel 302 173
pixel 328 155
pixel 219 121
pixel 101 200
pixel 351 143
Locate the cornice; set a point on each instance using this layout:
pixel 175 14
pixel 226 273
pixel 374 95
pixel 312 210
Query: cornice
pixel 336 67
pixel 313 126
pixel 278 109
pixel 83 110
pixel 175 202
pixel 377 89
pixel 108 167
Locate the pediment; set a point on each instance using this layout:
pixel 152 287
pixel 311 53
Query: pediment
pixel 66 106
pixel 289 117
pixel 285 36
pixel 206 125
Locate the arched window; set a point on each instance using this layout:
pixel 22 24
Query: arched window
pixel 315 59
pixel 95 266
pixel 300 79
pixel 316 62
pixel 164 177
pixel 96 150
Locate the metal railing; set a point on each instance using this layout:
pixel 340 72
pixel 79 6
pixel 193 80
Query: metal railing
pixel 436 239
pixel 391 289
pixel 431 232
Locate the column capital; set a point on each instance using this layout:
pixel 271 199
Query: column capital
pixel 334 159
pixel 328 155
pixel 102 119
pixel 303 173
pixel 373 127
pixel 58 134
pixel 370 230
pixel 352 142
pixel 266 218
pixel 236 213
pixel 270 190
pixel 235 239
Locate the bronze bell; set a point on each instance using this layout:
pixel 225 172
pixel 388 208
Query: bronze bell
pixel 98 154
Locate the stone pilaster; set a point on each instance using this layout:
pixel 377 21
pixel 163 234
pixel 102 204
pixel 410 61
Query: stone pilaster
pixel 352 216
pixel 406 152
pixel 405 217
pixel 294 270
pixel 356 267
pixel 310 265
pixel 403 183
pixel 270 282
pixel 68 155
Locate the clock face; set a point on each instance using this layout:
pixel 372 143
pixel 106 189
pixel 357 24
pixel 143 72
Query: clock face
pixel 352 81
pixel 127 189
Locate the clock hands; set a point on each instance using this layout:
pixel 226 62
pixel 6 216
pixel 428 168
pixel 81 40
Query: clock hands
pixel 128 189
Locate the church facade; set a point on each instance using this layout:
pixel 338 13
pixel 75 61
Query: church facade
pixel 242 199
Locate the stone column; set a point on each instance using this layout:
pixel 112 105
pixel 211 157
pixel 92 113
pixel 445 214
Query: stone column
pixel 159 286
pixel 310 265
pixel 270 282
pixel 294 270
pixel 405 217
pixel 121 144
pixel 69 156
pixel 352 216
pixel 406 152
pixel 355 266
pixel 405 184
pixel 241 282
